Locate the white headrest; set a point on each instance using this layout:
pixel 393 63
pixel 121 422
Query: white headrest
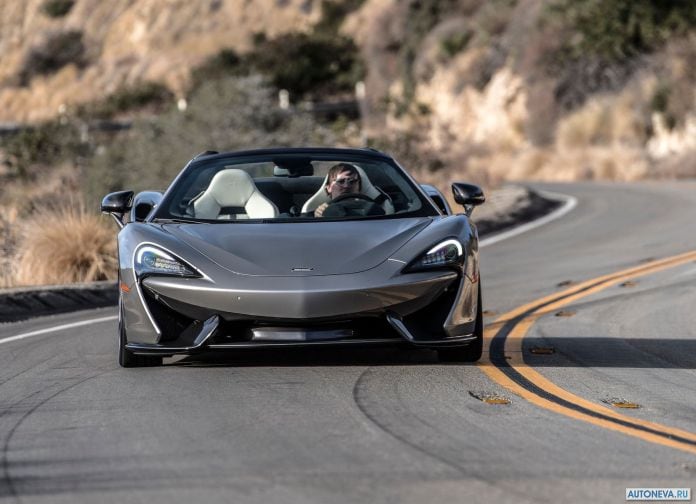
pixel 366 188
pixel 233 188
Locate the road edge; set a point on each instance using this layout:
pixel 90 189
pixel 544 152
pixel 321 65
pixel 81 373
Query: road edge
pixel 26 303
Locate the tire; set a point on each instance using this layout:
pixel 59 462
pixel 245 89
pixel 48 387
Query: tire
pixel 128 359
pixel 473 351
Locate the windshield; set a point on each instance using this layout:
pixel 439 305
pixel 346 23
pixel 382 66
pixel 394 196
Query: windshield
pixel 292 187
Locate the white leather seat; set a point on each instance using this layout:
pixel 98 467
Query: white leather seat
pixel 232 194
pixel 366 188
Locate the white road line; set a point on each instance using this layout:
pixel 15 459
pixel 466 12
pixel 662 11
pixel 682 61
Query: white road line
pixel 57 328
pixel 570 203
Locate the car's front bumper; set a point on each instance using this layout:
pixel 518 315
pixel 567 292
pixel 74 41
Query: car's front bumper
pixel 167 316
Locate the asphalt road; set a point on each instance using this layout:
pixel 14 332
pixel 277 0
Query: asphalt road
pixel 390 425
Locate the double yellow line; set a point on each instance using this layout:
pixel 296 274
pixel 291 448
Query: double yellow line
pixel 505 364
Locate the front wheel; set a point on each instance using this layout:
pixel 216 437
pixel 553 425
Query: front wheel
pixel 473 351
pixel 126 358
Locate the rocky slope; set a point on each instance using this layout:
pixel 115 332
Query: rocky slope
pixel 483 86
pixel 123 42
pixel 486 86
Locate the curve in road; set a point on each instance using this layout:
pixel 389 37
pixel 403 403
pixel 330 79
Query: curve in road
pixel 504 362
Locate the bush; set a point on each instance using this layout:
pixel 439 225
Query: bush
pixel 455 43
pixel 580 78
pixel 619 29
pixel 152 95
pixel 57 8
pixel 56 51
pixel 224 64
pixel 66 245
pixel 309 63
pixel 45 143
pixel 313 64
pixel 333 12
pixel 660 102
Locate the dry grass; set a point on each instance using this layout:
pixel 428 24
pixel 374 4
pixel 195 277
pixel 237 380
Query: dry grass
pixel 609 119
pixel 8 227
pixel 23 196
pixel 677 166
pixel 65 245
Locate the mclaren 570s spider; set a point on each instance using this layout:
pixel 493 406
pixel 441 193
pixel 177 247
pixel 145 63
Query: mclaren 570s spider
pixel 296 247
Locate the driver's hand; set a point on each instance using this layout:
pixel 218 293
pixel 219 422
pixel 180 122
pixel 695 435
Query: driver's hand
pixel 320 210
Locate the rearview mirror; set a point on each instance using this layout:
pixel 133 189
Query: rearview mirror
pixel 468 195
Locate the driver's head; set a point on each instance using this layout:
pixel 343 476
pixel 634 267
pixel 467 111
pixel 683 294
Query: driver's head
pixel 343 179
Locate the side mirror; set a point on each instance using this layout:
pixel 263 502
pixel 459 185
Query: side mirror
pixel 468 195
pixel 117 204
pixel 144 203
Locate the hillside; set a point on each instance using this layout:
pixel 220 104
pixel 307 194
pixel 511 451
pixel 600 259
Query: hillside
pixel 549 89
pixel 50 58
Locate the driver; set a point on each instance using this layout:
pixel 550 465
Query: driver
pixel 343 179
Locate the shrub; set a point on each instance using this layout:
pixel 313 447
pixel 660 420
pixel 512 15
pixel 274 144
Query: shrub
pixel 605 41
pixel 333 12
pixel 66 245
pixel 57 50
pixel 57 8
pixel 308 63
pixel 225 63
pixel 660 102
pixel 454 43
pixel 618 29
pixel 152 95
pixel 45 143
pixel 578 79
pixel 303 63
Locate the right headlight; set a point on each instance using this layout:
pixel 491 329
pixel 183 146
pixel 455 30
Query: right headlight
pixel 150 260
pixel 447 253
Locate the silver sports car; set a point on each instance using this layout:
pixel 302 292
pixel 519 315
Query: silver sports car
pixel 296 247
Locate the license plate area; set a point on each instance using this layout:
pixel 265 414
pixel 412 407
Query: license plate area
pixel 298 334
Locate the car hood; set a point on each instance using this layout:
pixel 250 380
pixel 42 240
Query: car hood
pixel 299 249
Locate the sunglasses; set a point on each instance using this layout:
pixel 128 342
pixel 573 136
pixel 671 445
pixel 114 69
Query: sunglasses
pixel 346 181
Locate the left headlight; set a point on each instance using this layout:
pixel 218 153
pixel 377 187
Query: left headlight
pixel 151 260
pixel 447 253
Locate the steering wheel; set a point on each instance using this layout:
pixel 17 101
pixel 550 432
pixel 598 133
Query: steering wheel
pixel 352 204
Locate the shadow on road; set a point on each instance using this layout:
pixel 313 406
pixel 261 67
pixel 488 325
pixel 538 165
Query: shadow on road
pixel 652 353
pixel 336 356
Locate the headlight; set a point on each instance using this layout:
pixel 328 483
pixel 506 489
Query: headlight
pixel 447 253
pixel 151 260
